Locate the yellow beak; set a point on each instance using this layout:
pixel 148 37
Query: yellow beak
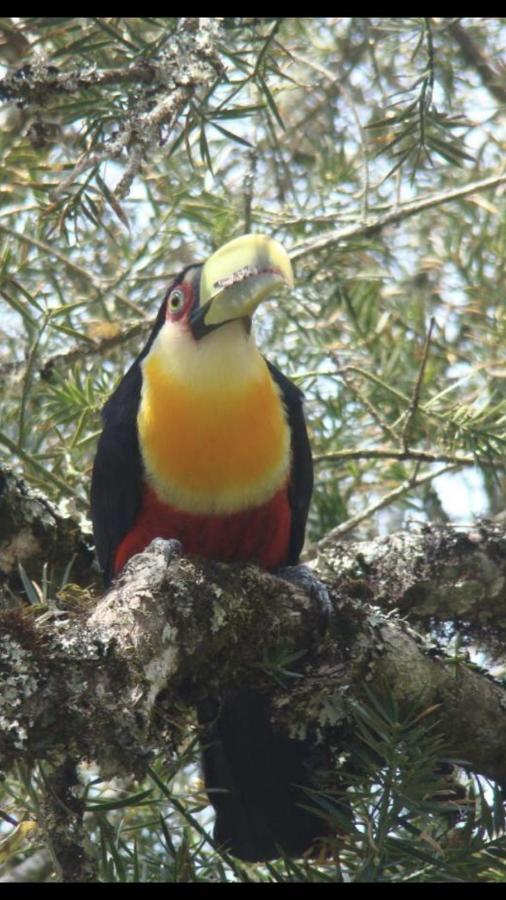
pixel 240 275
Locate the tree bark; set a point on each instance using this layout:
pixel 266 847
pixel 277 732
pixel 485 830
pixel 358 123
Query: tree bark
pixel 34 531
pixel 173 629
pixel 430 574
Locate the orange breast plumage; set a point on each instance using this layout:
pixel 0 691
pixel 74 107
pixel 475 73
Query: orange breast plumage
pixel 215 448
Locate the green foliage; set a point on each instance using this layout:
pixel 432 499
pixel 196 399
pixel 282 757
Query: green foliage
pixel 132 146
pixel 417 816
pixel 406 812
pixel 414 127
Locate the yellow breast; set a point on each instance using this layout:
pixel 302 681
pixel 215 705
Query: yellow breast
pixel 212 427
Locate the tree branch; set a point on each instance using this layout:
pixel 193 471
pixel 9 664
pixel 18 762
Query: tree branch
pixel 28 83
pixel 173 630
pixel 429 572
pixel 415 398
pixel 34 531
pixel 386 500
pixel 457 459
pixel 475 57
pixel 188 62
pixel 73 354
pixel 374 224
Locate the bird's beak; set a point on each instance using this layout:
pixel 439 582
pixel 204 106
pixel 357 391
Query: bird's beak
pixel 236 279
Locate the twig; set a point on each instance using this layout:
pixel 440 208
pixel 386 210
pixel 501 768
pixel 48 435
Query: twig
pixel 27 380
pixel 386 500
pixel 413 405
pixel 103 346
pixel 376 224
pixel 457 459
pixel 370 376
pixel 189 61
pixel 474 56
pixel 268 41
pixel 384 425
pixel 52 250
pixel 26 82
pixel 425 99
pixel 439 345
pixel 182 72
pixel 90 348
pixel 32 461
pixel 137 136
pixel 249 188
pixel 99 286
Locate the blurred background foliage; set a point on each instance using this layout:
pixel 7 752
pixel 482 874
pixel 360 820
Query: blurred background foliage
pixel 130 147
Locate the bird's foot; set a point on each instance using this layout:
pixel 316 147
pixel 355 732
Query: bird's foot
pixel 169 549
pixel 302 576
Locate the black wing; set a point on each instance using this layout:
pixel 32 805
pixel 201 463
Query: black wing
pixel 301 477
pixel 116 484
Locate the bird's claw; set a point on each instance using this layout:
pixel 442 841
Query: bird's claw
pixel 170 549
pixel 302 576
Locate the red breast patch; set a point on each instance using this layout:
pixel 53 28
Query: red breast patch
pixel 260 535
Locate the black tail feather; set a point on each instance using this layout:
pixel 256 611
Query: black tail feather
pixel 253 776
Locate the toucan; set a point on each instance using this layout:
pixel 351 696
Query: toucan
pixel 204 441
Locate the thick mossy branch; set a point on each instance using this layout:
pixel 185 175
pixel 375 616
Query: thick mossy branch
pixel 433 574
pixel 173 629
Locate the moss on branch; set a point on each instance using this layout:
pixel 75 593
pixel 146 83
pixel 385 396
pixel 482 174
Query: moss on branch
pixel 172 629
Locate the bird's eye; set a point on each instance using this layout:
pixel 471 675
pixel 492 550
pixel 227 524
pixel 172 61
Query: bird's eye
pixel 176 300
